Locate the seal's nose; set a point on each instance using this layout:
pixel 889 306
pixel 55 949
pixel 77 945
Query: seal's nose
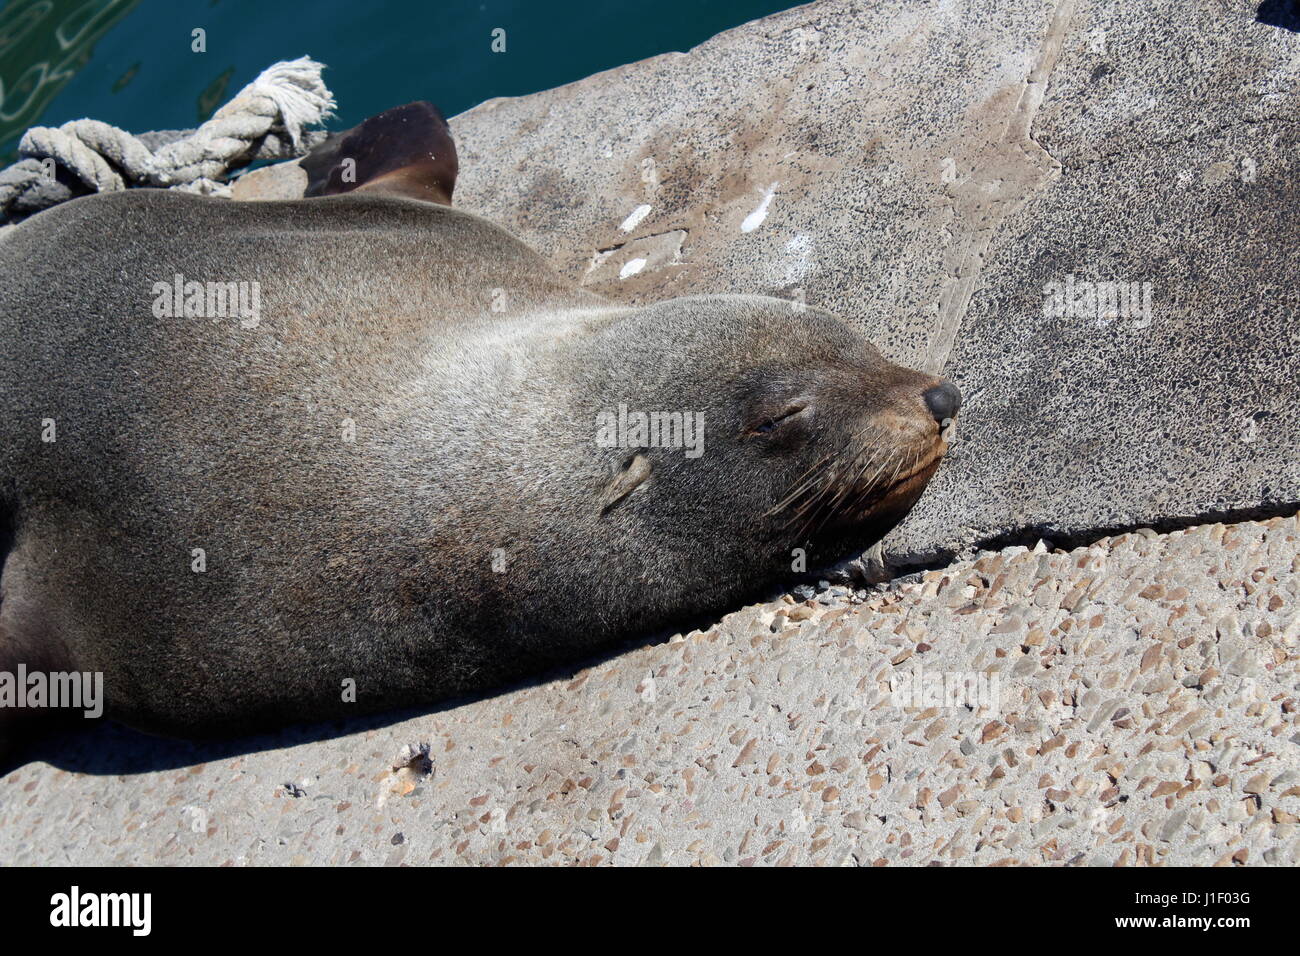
pixel 943 401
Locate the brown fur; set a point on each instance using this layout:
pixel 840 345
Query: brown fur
pixel 474 374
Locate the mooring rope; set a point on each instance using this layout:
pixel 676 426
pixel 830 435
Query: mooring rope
pixel 264 121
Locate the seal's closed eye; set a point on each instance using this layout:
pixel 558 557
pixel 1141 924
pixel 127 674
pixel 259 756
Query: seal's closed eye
pixel 768 425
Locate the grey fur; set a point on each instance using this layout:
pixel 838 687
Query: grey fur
pixel 372 560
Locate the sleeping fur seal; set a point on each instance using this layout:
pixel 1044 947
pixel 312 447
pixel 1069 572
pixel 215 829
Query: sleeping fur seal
pixel 399 457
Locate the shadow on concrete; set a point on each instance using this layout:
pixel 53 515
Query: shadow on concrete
pixel 109 748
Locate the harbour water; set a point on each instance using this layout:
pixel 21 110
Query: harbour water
pixel 136 63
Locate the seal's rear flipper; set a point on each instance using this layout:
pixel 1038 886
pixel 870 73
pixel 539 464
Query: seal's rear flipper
pixel 406 151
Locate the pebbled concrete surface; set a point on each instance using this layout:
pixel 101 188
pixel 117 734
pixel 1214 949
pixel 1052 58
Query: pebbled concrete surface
pixel 1149 686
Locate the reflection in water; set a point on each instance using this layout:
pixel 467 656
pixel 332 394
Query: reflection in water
pixel 214 95
pixel 43 43
pixel 120 83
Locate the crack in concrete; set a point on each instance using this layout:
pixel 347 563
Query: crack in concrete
pixel 642 253
pixel 998 188
pixel 1054 538
pixel 605 250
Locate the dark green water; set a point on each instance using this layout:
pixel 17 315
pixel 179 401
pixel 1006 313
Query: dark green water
pixel 130 62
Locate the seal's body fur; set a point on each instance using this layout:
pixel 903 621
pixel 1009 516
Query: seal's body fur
pixel 392 476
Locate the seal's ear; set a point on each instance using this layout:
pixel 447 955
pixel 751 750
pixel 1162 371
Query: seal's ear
pixel 630 477
pixel 406 151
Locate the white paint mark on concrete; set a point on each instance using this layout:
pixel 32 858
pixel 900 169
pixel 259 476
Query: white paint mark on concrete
pixel 755 218
pixel 631 268
pixel 634 219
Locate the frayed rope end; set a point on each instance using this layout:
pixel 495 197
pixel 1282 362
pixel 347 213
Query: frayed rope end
pixel 299 93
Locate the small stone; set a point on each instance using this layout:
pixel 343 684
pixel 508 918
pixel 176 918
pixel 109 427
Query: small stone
pixel 1257 784
pixel 1172 825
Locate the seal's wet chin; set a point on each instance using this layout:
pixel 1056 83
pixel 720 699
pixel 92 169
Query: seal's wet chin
pixel 887 502
pixel 906 490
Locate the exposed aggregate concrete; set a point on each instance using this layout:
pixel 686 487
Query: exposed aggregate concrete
pixel 1148 716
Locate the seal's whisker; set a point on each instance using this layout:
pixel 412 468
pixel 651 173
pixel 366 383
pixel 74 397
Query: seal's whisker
pixel 848 487
pixel 869 488
pixel 806 480
pixel 833 495
pixel 824 479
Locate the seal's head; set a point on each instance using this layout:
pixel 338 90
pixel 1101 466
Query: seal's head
pixel 804 435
